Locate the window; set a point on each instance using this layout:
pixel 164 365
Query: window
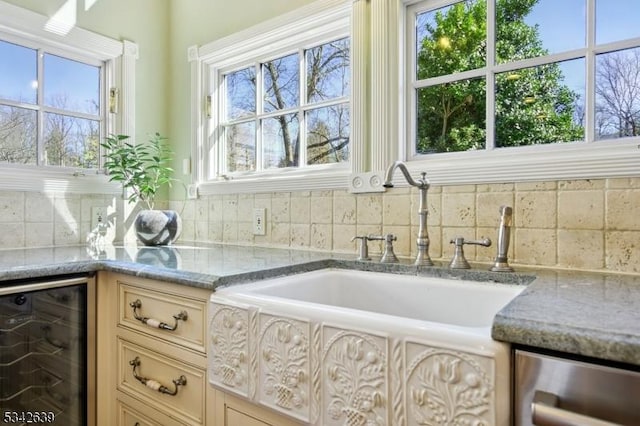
pixel 51 111
pixel 279 101
pixel 287 124
pixel 55 81
pixel 486 75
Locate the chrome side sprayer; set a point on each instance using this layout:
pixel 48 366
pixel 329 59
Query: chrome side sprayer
pixel 501 263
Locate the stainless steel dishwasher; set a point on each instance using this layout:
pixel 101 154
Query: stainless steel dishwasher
pixel 556 391
pixel 47 355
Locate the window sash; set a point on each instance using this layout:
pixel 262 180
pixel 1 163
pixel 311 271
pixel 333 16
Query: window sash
pixel 24 27
pixel 492 69
pixel 311 25
pixel 42 109
pixel 302 108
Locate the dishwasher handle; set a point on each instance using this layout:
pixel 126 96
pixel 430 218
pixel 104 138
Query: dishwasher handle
pixel 545 412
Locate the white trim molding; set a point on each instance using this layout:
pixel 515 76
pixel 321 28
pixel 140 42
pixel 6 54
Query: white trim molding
pixel 279 182
pixel 360 84
pixel 386 56
pixel 569 161
pixel 55 179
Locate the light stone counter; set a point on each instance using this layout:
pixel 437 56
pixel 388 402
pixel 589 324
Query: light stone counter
pixel 588 314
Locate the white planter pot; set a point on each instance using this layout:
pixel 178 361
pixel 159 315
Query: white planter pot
pixel 158 227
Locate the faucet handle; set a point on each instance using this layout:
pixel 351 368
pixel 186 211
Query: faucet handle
pixel 459 261
pixel 363 248
pixel 388 256
pixel 460 241
pixel 385 237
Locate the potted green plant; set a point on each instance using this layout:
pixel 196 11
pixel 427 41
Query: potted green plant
pixel 143 169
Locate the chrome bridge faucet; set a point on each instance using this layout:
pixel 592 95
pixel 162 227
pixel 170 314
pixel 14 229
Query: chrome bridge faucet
pixel 422 241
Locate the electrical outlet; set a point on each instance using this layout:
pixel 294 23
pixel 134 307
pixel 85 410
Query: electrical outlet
pixel 98 215
pixel 259 224
pixel 366 182
pixel 192 192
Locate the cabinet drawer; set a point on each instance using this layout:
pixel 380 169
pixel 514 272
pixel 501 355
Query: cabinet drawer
pixel 128 416
pixel 187 404
pixel 153 307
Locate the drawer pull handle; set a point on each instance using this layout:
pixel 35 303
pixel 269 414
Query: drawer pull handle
pixel 154 384
pixel 544 412
pixel 180 316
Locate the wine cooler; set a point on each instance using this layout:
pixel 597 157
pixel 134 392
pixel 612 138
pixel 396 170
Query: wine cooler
pixel 47 352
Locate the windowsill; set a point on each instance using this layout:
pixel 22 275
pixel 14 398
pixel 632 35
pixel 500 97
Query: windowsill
pixel 294 180
pixel 568 161
pixel 51 179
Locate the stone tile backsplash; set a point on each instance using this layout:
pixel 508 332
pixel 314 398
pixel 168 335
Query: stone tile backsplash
pixel 36 219
pixel 583 224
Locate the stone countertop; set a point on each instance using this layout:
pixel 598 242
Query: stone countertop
pixel 589 314
pixel 198 265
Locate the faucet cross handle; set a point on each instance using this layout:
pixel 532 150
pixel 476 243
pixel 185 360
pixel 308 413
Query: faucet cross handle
pixel 459 261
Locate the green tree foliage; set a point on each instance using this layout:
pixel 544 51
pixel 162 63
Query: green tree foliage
pixel 533 105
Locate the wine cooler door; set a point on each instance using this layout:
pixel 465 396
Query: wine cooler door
pixel 46 351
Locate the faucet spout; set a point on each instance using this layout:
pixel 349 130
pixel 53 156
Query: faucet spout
pixel 388 181
pixel 422 240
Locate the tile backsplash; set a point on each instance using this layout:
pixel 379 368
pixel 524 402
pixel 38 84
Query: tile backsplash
pixel 581 224
pixel 36 219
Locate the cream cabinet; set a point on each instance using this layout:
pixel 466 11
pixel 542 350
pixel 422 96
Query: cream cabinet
pixel 152 353
pixel 234 411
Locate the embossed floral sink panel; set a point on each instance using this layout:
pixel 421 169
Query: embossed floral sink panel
pixel 342 347
pixel 455 302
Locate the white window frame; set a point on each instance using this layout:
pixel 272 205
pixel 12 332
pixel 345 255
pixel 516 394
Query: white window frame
pixel 587 159
pixel 309 26
pixel 27 28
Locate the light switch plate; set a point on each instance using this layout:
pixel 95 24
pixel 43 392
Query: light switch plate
pixel 98 214
pixel 259 221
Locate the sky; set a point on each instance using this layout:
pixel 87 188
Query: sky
pixel 80 83
pixel 562 27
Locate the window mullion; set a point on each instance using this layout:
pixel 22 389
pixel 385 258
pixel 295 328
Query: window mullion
pixel 410 76
pixel 590 63
pixel 302 102
pixel 259 116
pixel 490 76
pixel 218 132
pixel 40 113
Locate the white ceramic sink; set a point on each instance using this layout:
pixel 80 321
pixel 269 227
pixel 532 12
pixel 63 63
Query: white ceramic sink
pixel 338 347
pixel 440 300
